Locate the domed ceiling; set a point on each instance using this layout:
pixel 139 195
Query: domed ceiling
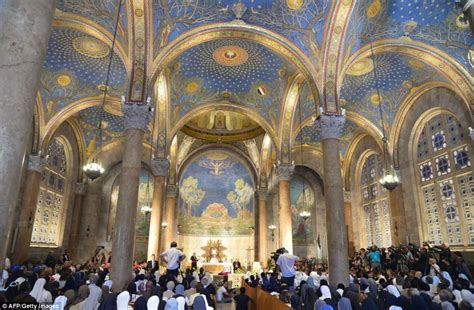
pixel 238 71
pixel 222 126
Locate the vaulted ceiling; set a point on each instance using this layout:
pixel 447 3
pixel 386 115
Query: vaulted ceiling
pixel 338 47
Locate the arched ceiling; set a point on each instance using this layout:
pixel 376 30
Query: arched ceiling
pixel 239 71
pixel 243 72
pixel 434 22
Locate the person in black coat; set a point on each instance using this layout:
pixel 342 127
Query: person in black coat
pixel 152 265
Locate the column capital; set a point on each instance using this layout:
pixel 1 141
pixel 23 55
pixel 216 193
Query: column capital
pixel 36 163
pixel 262 193
pixel 171 190
pixel 137 116
pixel 160 167
pixel 471 133
pixel 80 189
pixel 331 126
pixel 284 171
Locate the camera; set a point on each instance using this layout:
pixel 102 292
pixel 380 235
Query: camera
pixel 277 253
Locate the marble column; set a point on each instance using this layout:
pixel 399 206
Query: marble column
pixel 25 27
pixel 170 219
pixel 348 222
pixel 397 215
pixel 284 173
pixel 137 118
pixel 331 128
pixel 262 226
pixel 79 191
pixel 36 164
pixel 89 220
pixel 159 168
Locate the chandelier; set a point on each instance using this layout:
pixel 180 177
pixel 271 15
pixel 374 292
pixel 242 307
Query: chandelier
pixel 305 215
pixel 94 169
pixel 390 179
pixel 146 207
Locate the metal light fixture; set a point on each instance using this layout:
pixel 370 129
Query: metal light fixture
pixel 272 228
pixel 94 169
pixel 305 215
pixel 390 179
pixel 164 225
pixel 146 207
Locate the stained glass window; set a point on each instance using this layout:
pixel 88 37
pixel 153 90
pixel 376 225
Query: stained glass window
pixel 375 204
pixel 446 182
pixel 51 205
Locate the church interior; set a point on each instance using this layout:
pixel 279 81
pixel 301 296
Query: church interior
pixel 235 128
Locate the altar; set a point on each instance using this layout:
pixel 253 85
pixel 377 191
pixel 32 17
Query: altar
pixel 216 268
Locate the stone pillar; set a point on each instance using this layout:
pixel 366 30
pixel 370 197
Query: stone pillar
pixel 25 26
pixel 137 118
pixel 397 215
pixel 28 207
pixel 79 191
pixel 170 220
pixel 262 226
pixel 89 220
pixel 331 128
pixel 349 225
pixel 159 168
pixel 284 173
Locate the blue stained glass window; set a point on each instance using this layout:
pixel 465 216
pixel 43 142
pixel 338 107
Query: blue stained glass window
pixel 451 213
pixel 426 171
pixel 462 158
pixel 438 141
pixel 447 190
pixel 443 165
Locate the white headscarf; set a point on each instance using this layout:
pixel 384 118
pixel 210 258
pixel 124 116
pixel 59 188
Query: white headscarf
pixel 60 302
pixel 153 303
pixel 392 289
pixel 122 300
pixel 39 293
pixel 447 276
pixel 325 292
pixel 92 301
pixel 468 296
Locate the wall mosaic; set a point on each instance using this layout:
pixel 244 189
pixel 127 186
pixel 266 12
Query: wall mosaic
pixel 302 198
pixel 216 196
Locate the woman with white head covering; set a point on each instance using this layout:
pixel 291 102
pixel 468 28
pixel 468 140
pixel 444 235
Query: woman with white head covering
pixel 122 300
pixel 467 296
pixel 41 295
pixel 447 277
pixel 60 303
pixel 153 303
pixel 392 289
pixel 171 304
pixel 325 293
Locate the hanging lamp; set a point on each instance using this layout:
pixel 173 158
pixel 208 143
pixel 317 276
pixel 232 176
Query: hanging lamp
pixel 94 169
pixel 390 179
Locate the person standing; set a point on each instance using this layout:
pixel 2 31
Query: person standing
pixel 242 301
pixel 375 259
pixel 152 264
pixel 194 261
pixel 286 262
pixel 172 258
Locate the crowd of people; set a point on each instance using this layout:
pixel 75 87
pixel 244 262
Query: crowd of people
pixel 86 287
pixel 406 277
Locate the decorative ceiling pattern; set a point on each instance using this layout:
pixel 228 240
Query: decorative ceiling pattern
pixel 103 12
pixel 435 22
pixel 396 76
pixel 310 135
pixel 75 67
pixel 112 125
pixel 301 21
pixel 238 71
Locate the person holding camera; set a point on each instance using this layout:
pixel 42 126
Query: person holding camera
pixel 173 259
pixel 286 262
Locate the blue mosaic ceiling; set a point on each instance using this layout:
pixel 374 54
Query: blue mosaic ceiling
pixel 103 12
pixel 75 65
pixel 301 21
pixel 435 22
pixel 235 70
pixel 396 76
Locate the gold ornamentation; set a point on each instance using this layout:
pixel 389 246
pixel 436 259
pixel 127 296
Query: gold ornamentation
pixel 63 80
pixel 407 84
pixel 361 67
pixel 461 21
pixel 139 12
pixel 294 4
pixel 375 99
pixel 230 55
pixel 416 64
pixel 193 87
pixel 113 107
pixel 374 9
pixel 90 47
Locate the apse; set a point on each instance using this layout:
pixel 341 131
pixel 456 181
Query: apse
pixel 217 203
